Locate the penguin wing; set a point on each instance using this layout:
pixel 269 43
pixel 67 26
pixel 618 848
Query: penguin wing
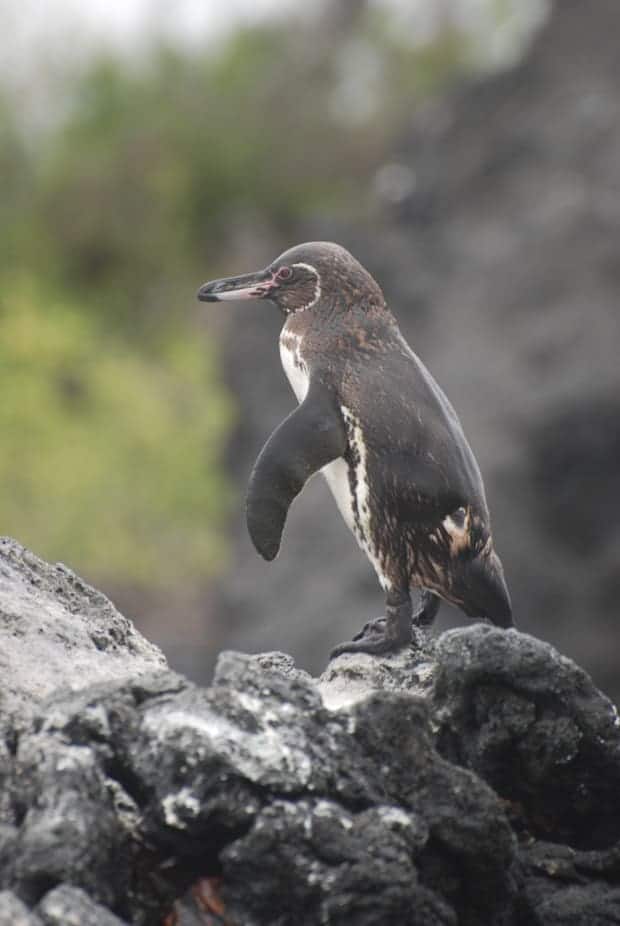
pixel 312 436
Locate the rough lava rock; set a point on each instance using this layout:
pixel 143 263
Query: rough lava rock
pixel 473 780
pixel 43 646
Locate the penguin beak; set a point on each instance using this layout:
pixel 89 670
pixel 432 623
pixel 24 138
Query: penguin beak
pixel 486 592
pixel 256 285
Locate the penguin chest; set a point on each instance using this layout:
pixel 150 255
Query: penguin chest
pixel 293 364
pixel 349 484
pixel 337 477
pixel 346 478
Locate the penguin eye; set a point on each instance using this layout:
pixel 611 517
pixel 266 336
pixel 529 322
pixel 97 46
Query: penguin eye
pixel 284 273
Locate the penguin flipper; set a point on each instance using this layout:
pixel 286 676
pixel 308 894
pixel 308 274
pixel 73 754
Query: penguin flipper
pixel 311 437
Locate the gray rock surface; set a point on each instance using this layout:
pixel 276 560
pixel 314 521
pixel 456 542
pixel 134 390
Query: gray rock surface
pixel 70 906
pixel 15 913
pixel 43 647
pixel 472 781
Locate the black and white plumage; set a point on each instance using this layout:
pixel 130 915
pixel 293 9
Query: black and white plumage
pixel 373 420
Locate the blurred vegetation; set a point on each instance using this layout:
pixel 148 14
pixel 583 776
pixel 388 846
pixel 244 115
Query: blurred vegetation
pixel 112 455
pixel 113 414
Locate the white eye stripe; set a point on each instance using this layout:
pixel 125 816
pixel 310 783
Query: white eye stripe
pixel 317 285
pixel 307 267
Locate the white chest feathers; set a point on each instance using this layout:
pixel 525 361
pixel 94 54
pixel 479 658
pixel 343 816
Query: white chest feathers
pixel 350 487
pixel 293 364
pixel 348 481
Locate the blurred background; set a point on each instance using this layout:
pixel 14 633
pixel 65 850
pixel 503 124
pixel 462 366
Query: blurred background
pixel 466 151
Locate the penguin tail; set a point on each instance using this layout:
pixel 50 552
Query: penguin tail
pixel 486 592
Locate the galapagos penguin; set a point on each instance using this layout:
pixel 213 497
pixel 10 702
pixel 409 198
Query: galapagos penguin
pixel 374 422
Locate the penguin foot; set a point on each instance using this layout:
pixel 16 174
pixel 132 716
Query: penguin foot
pixel 374 638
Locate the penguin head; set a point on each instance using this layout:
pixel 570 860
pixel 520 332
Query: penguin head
pixel 315 277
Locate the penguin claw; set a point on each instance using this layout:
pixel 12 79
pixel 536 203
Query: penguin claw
pixel 372 639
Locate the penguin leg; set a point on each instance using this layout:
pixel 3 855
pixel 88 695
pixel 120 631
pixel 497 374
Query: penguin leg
pixel 427 609
pixel 385 634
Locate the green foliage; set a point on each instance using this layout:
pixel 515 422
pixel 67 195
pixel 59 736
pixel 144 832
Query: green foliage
pixel 110 457
pixel 151 167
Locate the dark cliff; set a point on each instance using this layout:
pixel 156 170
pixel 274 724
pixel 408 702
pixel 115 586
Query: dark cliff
pixel 473 781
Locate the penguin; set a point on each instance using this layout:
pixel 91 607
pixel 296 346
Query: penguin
pixel 373 421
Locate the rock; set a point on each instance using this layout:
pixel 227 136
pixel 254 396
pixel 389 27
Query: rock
pixel 347 679
pixel 532 724
pixel 70 906
pixel 42 646
pixel 67 824
pixel 564 887
pixel 340 868
pixel 471 781
pixel 14 913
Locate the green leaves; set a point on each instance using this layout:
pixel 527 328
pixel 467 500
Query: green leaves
pixel 110 456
